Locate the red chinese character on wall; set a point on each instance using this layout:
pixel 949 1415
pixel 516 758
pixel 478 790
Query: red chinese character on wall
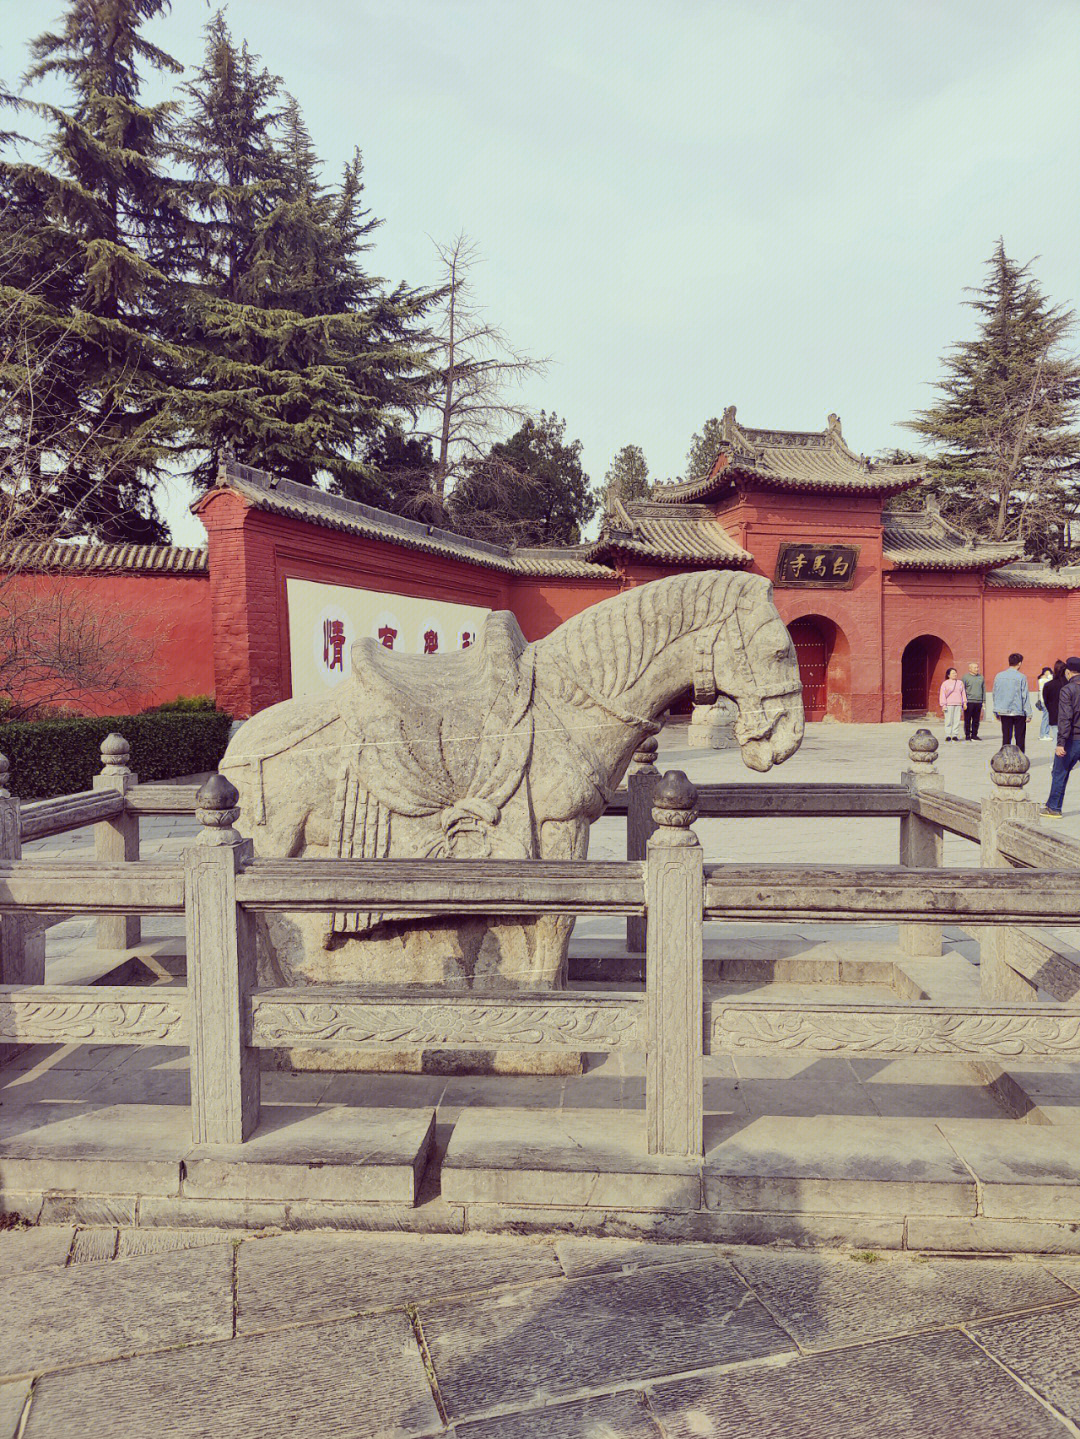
pixel 387 636
pixel 466 640
pixel 431 641
pixel 333 644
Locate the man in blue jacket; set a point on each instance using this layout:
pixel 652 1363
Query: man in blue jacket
pixel 1011 702
pixel 1067 753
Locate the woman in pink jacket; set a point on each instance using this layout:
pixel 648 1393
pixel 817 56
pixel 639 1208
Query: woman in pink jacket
pixel 953 702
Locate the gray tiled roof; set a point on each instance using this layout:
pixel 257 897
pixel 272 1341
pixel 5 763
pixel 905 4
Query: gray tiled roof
pixel 808 460
pixel 924 540
pixel 571 561
pixel 1035 577
pixel 640 529
pixel 303 502
pixel 53 555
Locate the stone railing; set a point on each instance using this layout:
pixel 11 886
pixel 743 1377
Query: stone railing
pixel 224 1018
pixel 113 807
pixel 1015 963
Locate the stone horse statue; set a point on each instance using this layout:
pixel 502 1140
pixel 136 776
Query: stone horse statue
pixel 505 750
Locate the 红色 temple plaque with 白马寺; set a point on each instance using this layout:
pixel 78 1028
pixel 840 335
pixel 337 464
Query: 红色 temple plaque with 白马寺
pixel 817 566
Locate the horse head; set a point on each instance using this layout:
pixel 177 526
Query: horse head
pixel 749 658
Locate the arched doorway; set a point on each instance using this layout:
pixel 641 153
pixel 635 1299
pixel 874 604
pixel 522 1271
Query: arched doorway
pixel 922 668
pixel 824 657
pixel 812 653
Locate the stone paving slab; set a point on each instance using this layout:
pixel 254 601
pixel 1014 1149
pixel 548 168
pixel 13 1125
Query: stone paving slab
pixel 587 1157
pixel 42 1082
pixel 611 1416
pixel 531 1345
pixel 993 1236
pixel 924 1387
pixel 57 1317
pixel 1068 1274
pixel 706 1226
pixel 92 1246
pixel 1044 1350
pixel 291 1279
pixel 13 1397
pixel 44 1247
pixel 135 1242
pixel 114 1149
pixel 96 1209
pixel 834 1164
pixel 828 1300
pixel 325 1153
pixel 359 1379
pixel 580 1257
pixel 1025 1171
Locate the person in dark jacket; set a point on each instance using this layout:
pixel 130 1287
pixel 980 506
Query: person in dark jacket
pixel 975 689
pixel 1067 752
pixel 1051 690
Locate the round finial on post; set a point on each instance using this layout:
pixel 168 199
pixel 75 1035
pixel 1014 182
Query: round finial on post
pixel 115 753
pixel 1009 768
pixel 5 775
pixel 644 760
pixel 217 805
pixel 674 809
pixel 922 750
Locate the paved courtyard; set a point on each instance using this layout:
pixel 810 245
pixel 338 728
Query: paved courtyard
pixel 119 1334
pixel 130 1331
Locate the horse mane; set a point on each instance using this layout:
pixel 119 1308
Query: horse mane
pixel 614 641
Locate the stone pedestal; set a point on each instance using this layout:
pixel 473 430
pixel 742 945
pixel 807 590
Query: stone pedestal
pixel 712 727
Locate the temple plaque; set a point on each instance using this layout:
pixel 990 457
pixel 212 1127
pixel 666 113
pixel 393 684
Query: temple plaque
pixel 817 566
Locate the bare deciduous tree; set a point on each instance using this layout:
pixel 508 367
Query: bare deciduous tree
pixel 475 367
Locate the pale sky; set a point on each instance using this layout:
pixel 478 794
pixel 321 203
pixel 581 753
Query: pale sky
pixel 690 205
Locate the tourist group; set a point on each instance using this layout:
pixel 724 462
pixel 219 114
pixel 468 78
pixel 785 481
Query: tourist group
pixel 1058 703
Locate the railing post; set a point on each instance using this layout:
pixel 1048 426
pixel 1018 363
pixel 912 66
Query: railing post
pixel 998 982
pixel 674 890
pixel 920 840
pixel 641 785
pixel 117 840
pixel 22 940
pixel 221 974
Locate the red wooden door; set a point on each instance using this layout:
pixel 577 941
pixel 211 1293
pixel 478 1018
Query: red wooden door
pixel 915 679
pixel 813 655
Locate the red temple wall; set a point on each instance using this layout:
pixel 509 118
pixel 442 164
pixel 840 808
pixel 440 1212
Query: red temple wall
pixel 227 632
pixel 941 603
pixel 161 620
pixel 1043 625
pixel 252 556
pixel 542 605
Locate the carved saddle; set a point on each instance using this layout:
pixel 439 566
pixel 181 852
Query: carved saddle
pixel 443 739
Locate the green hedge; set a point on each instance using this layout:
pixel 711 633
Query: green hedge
pixel 61 756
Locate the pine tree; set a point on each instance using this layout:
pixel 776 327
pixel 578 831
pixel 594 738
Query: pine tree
pixel 704 448
pixel 308 356
pixel 90 241
pixel 627 477
pixel 1009 461
pixel 529 490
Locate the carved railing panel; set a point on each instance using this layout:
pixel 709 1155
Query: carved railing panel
pixel 845 1030
pixel 330 1017
pixel 93 1014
